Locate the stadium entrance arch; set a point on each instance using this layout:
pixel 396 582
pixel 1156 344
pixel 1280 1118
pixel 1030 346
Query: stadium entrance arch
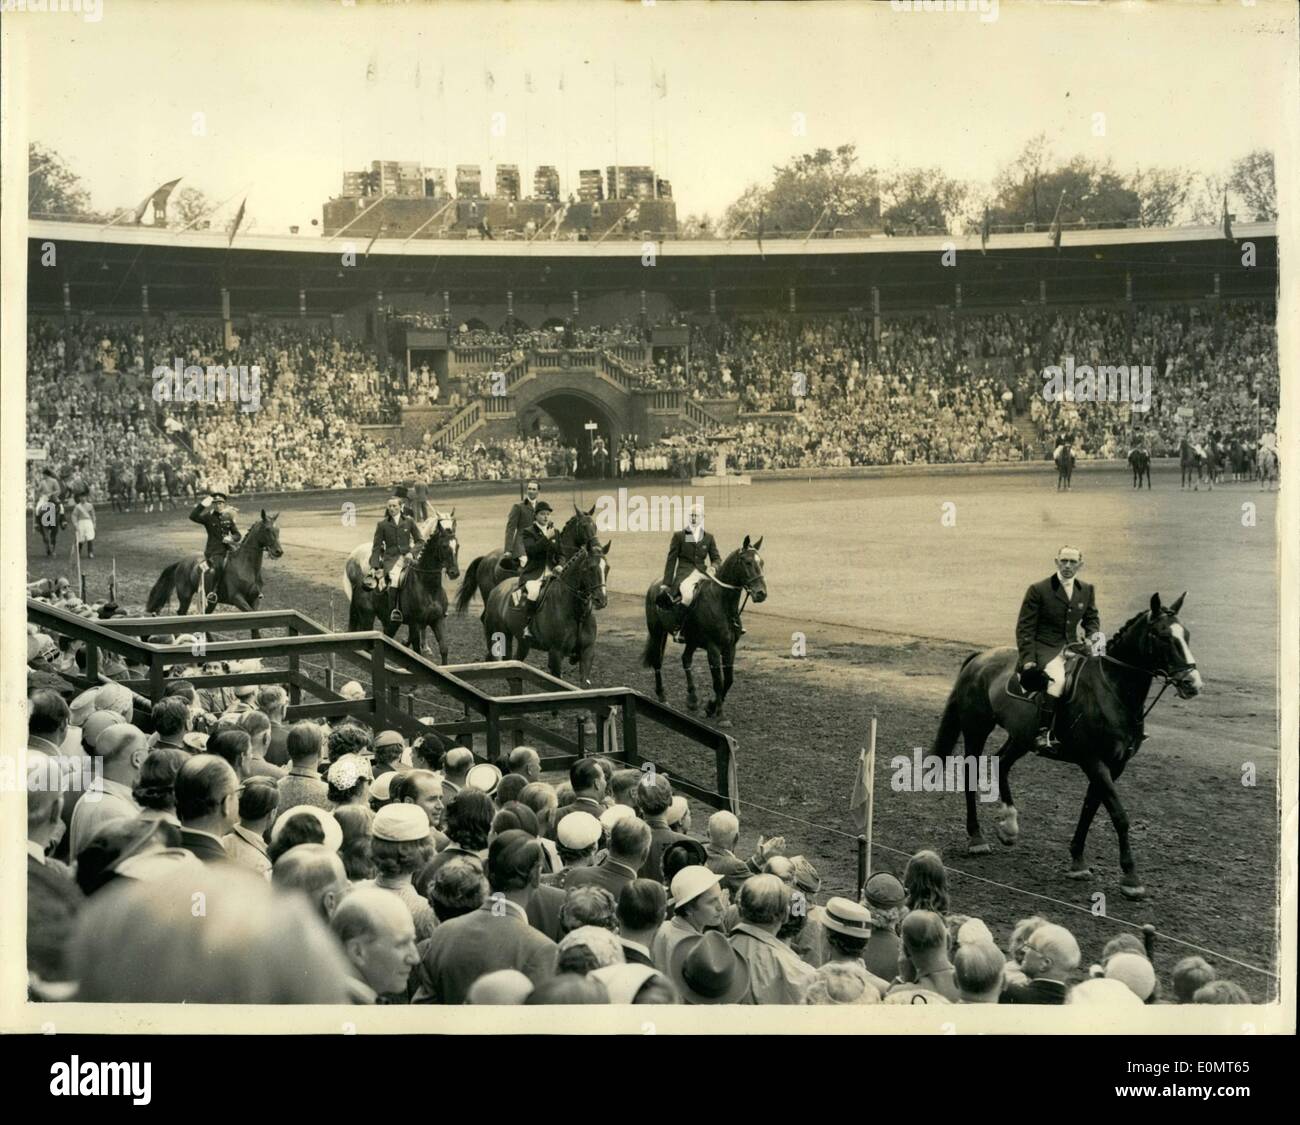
pixel 574 412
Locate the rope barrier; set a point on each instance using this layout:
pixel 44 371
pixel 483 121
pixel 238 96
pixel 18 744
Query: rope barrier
pixel 1010 887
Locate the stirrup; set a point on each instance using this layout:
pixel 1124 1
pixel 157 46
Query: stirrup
pixel 395 617
pixel 212 598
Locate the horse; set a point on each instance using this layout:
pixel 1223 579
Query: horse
pixel 173 482
pixel 241 578
pixel 707 626
pixel 1099 726
pixel 159 482
pixel 564 621
pixel 1189 459
pixel 485 573
pixel 120 491
pixel 144 486
pixel 1140 462
pixel 421 598
pixel 1268 469
pixel 1064 458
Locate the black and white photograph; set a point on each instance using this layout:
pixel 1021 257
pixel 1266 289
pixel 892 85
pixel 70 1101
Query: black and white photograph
pixel 703 505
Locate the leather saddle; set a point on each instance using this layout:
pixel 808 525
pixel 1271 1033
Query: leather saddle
pixel 1074 662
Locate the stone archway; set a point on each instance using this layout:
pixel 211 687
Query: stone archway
pixel 571 410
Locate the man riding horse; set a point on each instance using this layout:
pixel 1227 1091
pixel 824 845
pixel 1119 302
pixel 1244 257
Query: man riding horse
pixel 214 514
pixel 539 559
pixel 1050 616
pixel 523 513
pixel 692 552
pixel 396 537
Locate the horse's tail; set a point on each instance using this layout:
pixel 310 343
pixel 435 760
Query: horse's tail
pixel 468 587
pixel 161 593
pixel 950 724
pixel 650 654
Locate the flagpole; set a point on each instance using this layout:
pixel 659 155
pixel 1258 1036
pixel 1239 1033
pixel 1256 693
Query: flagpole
pixel 871 793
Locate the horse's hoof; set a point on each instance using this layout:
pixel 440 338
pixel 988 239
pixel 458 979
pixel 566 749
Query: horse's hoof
pixel 979 847
pixel 1134 892
pixel 1079 873
pixel 692 705
pixel 711 709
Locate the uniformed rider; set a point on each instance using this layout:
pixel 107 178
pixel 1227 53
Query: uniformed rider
pixel 1050 617
pixel 539 559
pixel 692 554
pixel 396 537
pixel 214 514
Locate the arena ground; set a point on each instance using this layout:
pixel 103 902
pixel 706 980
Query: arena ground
pixel 890 597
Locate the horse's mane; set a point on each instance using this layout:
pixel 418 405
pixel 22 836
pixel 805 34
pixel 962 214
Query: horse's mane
pixel 1129 626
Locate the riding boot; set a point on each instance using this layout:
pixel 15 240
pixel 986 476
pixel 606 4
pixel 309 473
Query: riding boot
pixel 1044 743
pixel 678 621
pixel 212 579
pixel 394 609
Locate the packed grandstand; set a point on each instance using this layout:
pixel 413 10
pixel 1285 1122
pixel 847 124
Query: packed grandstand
pixel 805 391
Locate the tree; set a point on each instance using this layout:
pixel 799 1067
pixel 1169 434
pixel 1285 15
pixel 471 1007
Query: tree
pixel 1162 194
pixel 1206 207
pixel 52 187
pixel 822 189
pixel 1252 179
pixel 695 227
pixel 920 199
pixel 1033 185
pixel 186 206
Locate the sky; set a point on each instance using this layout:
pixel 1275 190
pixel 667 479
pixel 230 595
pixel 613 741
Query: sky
pixel 275 99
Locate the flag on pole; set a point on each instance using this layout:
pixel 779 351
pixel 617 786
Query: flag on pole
pixel 1227 222
pixel 1056 223
pixel 239 218
pixel 372 242
pixel 984 232
pixel 863 789
pixel 158 198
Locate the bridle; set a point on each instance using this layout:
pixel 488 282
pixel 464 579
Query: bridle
pixel 584 598
pixel 746 587
pixel 1174 674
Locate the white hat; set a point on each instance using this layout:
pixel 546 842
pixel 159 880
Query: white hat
pixel 352 690
pixel 484 777
pixel 1106 991
pixel 677 810
pixel 577 831
pixel 331 827
pixel 400 823
pixel 612 815
pixel 691 882
pixel 382 787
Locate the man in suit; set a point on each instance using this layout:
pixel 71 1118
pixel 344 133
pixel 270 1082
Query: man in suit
pixel 1050 954
pixel 207 802
pixel 212 514
pixel 522 515
pixel 690 554
pixel 396 537
pixel 539 558
pixel 629 848
pixel 53 898
pixel 1050 617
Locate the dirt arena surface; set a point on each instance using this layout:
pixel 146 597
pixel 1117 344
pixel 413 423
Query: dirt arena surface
pixel 888 598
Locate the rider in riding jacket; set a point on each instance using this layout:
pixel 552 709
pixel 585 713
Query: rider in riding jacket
pixel 691 555
pixel 522 514
pixel 396 536
pixel 539 558
pixel 1050 617
pixel 213 514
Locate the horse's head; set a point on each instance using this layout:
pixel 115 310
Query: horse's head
pixel 1165 646
pixel 744 568
pixel 579 531
pixel 265 535
pixel 441 549
pixel 590 567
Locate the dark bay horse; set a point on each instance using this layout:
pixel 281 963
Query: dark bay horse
pixel 1098 726
pixel 421 597
pixel 144 487
pixel 1139 461
pixel 1064 459
pixel 119 488
pixel 564 622
pixel 485 573
pixel 1189 460
pixel 707 626
pixel 241 578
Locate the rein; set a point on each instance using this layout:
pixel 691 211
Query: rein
pixel 1166 676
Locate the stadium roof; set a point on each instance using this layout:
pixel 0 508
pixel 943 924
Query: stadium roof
pixel 105 267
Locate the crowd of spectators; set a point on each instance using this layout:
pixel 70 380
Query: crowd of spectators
pixel 365 868
pixel 817 392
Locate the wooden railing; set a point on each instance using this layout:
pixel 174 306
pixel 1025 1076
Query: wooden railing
pixel 393 669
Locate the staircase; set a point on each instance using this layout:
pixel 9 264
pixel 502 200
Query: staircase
pixel 694 413
pixel 1029 434
pixel 461 424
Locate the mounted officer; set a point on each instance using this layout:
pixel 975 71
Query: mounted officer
pixel 539 559
pixel 396 537
pixel 522 515
pixel 692 553
pixel 214 513
pixel 1050 617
